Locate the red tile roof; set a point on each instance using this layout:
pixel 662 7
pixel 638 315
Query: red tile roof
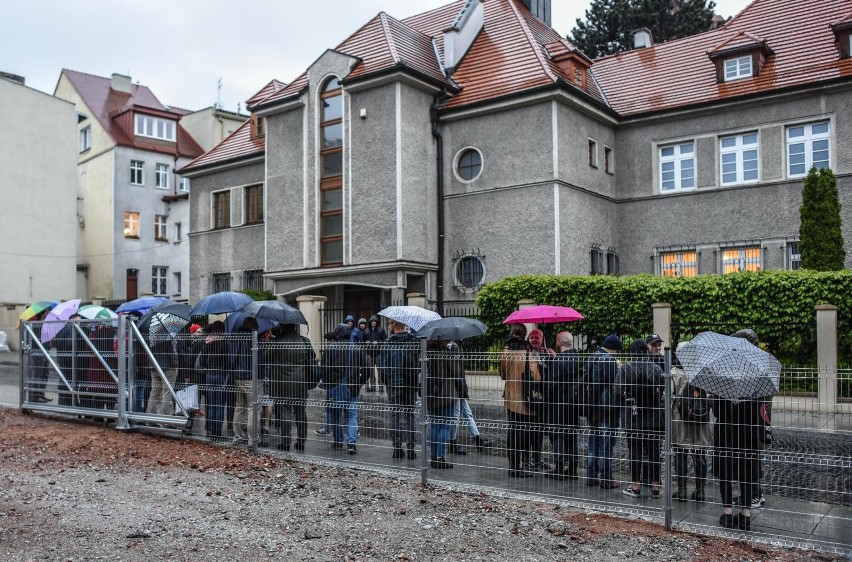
pixel 679 73
pixel 236 146
pixel 107 104
pixel 273 87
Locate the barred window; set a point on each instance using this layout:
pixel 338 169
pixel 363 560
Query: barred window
pixel 742 259
pixel 597 259
pixel 794 256
pixel 679 264
pixel 221 282
pixel 612 261
pixel 252 279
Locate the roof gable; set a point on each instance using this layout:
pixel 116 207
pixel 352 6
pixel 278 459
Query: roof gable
pixel 237 146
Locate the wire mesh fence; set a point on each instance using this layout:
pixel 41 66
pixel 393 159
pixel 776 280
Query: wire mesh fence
pixel 600 430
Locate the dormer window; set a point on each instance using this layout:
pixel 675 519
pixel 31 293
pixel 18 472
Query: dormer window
pixel 573 63
pixel 739 67
pixel 843 34
pixel 154 127
pixel 257 126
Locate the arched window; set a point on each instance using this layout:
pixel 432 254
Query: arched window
pixel 331 174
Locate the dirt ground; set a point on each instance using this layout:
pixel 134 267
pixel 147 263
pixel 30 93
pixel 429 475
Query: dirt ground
pixel 73 490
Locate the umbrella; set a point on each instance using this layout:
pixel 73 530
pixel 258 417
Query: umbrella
pixel 167 308
pixel 142 304
pixel 412 316
pixel 235 322
pixel 35 309
pixel 543 314
pixel 452 328
pixel 729 367
pixel 281 312
pixel 55 319
pixel 220 303
pixel 96 312
pixel 164 326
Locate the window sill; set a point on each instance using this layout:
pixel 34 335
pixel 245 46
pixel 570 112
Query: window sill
pixel 161 187
pixel 131 237
pixel 161 239
pixel 137 184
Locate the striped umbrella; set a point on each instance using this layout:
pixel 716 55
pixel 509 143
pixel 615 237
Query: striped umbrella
pixel 96 312
pixel 35 309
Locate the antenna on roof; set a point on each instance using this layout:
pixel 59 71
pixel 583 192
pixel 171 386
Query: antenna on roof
pixel 219 93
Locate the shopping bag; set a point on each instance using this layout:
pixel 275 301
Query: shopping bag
pixel 188 398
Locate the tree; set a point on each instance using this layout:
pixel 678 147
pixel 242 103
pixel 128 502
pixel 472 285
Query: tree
pixel 609 24
pixel 821 241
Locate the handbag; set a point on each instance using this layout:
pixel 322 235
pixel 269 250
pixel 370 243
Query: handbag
pixel 532 389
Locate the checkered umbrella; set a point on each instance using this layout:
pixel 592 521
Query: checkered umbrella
pixel 412 316
pixel 164 326
pixel 732 368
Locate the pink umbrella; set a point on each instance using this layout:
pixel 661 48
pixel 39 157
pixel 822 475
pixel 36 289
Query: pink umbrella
pixel 543 314
pixel 57 317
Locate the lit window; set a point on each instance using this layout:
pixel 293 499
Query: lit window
pixel 252 280
pixel 609 161
pixel 331 174
pixel 253 204
pixel 808 146
pixel 677 167
pixel 159 280
pixel 161 176
pixel 794 257
pixel 739 67
pixel 131 224
pixel 136 172
pixel 679 264
pixel 739 159
pixel 160 232
pixel 593 153
pixel 184 184
pixel 155 128
pixel 85 138
pixel 469 165
pixel 741 259
pixel 222 209
pixel 220 282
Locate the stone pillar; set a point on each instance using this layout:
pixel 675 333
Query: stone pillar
pixel 416 299
pixel 528 303
pixel 663 322
pixel 311 306
pixel 826 323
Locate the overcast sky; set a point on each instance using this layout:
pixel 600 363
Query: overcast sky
pixel 180 48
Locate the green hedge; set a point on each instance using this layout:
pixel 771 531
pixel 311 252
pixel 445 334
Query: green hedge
pixel 779 305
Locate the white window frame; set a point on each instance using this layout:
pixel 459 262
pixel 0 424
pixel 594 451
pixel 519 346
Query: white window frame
pixel 178 282
pixel 808 139
pixel 131 224
pixel 160 280
pixel 85 138
pixel 154 127
pixel 677 159
pixel 161 176
pixel 178 231
pixel 742 261
pixel 741 153
pixel 678 266
pixel 161 228
pixel 792 259
pixel 137 167
pixel 183 184
pixel 738 67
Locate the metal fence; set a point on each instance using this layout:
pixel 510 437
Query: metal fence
pixel 404 409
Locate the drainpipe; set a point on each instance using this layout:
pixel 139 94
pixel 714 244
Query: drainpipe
pixel 439 161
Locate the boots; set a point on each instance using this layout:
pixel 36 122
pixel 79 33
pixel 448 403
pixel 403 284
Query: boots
pixel 482 444
pixel 698 494
pixel 680 493
pixel 456 449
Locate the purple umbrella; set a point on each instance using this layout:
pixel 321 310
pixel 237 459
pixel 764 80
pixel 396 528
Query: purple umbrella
pixel 57 317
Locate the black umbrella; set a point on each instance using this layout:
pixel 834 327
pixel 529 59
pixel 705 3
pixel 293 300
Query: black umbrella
pixel 278 311
pixel 451 328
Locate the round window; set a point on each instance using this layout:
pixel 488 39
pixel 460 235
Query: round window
pixel 469 164
pixel 470 272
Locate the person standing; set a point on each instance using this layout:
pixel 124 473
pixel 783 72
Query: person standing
pixel 603 409
pixel 463 412
pixel 561 416
pixel 64 344
pixel 516 363
pixel 399 359
pixel 215 364
pixel 373 337
pixel 445 370
pixel 692 434
pixel 337 372
pixel 167 357
pixel 241 355
pixel 292 373
pixel 543 354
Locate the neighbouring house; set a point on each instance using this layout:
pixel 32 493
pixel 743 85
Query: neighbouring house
pixel 38 188
pixel 133 206
pixel 471 142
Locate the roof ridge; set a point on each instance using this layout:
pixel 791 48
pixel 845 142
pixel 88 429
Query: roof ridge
pixel 383 17
pixel 221 142
pixel 532 41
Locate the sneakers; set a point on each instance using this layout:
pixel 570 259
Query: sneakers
pixel 321 431
pixel 630 492
pixel 440 463
pixel 757 503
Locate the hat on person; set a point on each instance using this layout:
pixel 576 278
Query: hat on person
pixel 362 321
pixel 653 338
pixel 341 333
pixel 194 328
pixel 612 342
pixel 747 334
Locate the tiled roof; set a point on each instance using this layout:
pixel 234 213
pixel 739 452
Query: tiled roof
pixel 236 146
pixel 680 73
pixel 106 103
pixel 273 87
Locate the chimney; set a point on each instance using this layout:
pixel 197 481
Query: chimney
pixel 642 38
pixel 459 37
pixel 120 83
pixel 539 8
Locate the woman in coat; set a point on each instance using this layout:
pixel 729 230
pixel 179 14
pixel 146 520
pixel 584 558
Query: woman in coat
pixel 215 363
pixel 442 383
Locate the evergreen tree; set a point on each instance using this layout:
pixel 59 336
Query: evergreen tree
pixel 821 241
pixel 609 24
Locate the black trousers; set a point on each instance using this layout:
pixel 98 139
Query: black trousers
pixel 644 444
pixel 522 435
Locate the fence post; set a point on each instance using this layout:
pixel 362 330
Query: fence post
pixel 667 444
pixel 424 412
pixel 256 395
pixel 663 322
pixel 123 388
pixel 826 322
pixel 416 299
pixel 311 307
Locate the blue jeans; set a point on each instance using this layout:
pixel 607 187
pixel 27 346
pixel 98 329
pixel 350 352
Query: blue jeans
pixel 440 422
pixel 601 441
pixel 338 397
pixel 352 421
pixel 462 407
pixel 215 412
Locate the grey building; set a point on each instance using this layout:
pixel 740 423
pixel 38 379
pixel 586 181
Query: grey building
pixel 471 142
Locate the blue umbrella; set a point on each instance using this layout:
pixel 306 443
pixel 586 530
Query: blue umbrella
pixel 142 304
pixel 235 322
pixel 220 303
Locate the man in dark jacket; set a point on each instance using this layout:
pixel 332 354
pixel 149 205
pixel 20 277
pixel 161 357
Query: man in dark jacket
pixel 603 408
pixel 399 359
pixel 341 371
pixel 562 417
pixel 373 337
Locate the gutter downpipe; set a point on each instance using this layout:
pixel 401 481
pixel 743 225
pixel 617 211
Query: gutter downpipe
pixel 439 162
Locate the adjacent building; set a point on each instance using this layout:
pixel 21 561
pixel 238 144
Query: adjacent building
pixel 471 142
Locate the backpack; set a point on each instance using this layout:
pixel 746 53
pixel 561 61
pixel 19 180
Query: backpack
pixel 694 405
pixel 647 390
